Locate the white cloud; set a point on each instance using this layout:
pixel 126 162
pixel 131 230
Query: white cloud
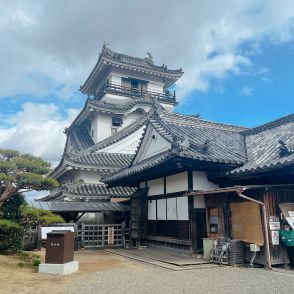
pixel 246 91
pixel 60 40
pixel 38 129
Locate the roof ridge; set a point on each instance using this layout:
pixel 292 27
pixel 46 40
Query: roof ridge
pixel 125 107
pixel 146 61
pixel 190 119
pixel 269 125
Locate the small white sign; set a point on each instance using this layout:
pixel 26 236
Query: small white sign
pixel 275 237
pixel 46 230
pixel 110 238
pixel 274 226
pixel 291 214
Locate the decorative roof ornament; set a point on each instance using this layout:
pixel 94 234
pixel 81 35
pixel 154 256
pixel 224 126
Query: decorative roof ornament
pixel 185 144
pixel 164 66
pixel 283 149
pixel 105 49
pixel 205 147
pixel 150 56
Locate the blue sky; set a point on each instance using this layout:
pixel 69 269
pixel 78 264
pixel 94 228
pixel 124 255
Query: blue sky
pixel 250 99
pixel 237 58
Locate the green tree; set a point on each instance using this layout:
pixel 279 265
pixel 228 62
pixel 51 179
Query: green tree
pixel 22 173
pixel 31 215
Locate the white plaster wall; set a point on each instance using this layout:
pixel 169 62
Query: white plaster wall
pixel 94 128
pixel 89 177
pixel 119 99
pixel 201 183
pixel 127 145
pixel 177 183
pixel 171 209
pixel 101 125
pixel 161 209
pixel 182 208
pixel 152 146
pixel 152 210
pixel 155 146
pixel 156 187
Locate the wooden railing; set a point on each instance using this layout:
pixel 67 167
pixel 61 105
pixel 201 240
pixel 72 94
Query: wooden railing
pixel 136 92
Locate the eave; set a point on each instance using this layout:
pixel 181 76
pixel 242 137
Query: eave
pixel 169 76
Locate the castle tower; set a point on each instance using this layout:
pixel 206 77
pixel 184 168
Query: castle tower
pixel 123 80
pixel 105 135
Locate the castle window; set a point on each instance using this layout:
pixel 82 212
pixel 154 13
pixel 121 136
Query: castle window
pixel 117 121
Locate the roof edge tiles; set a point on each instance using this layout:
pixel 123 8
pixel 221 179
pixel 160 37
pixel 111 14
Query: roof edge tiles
pixel 90 191
pixel 108 57
pixel 270 125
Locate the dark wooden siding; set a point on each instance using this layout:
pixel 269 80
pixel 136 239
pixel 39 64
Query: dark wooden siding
pixel 272 197
pixel 169 228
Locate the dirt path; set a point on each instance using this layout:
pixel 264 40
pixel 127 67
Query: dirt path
pixel 26 280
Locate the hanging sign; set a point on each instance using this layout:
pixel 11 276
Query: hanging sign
pixel 275 237
pixel 274 223
pixel 110 238
pixel 275 226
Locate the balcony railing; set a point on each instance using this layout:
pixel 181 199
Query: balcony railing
pixel 135 92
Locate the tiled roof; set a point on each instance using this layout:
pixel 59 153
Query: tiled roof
pixel 101 105
pixel 205 140
pixel 250 149
pixel 139 167
pixel 90 192
pixel 79 206
pixel 193 138
pixel 263 147
pixel 108 58
pixel 103 159
pixel 78 139
pixel 135 61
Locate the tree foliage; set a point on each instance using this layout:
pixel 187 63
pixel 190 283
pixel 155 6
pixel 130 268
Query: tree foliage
pixel 16 217
pixel 23 172
pixel 10 210
pixel 11 235
pixel 31 215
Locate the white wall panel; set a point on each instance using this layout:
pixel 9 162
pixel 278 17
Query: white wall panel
pixel 152 210
pixel 156 187
pixel 201 183
pixel 177 183
pixel 161 209
pixel 171 211
pixel 182 208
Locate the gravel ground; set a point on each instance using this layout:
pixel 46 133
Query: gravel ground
pixel 134 277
